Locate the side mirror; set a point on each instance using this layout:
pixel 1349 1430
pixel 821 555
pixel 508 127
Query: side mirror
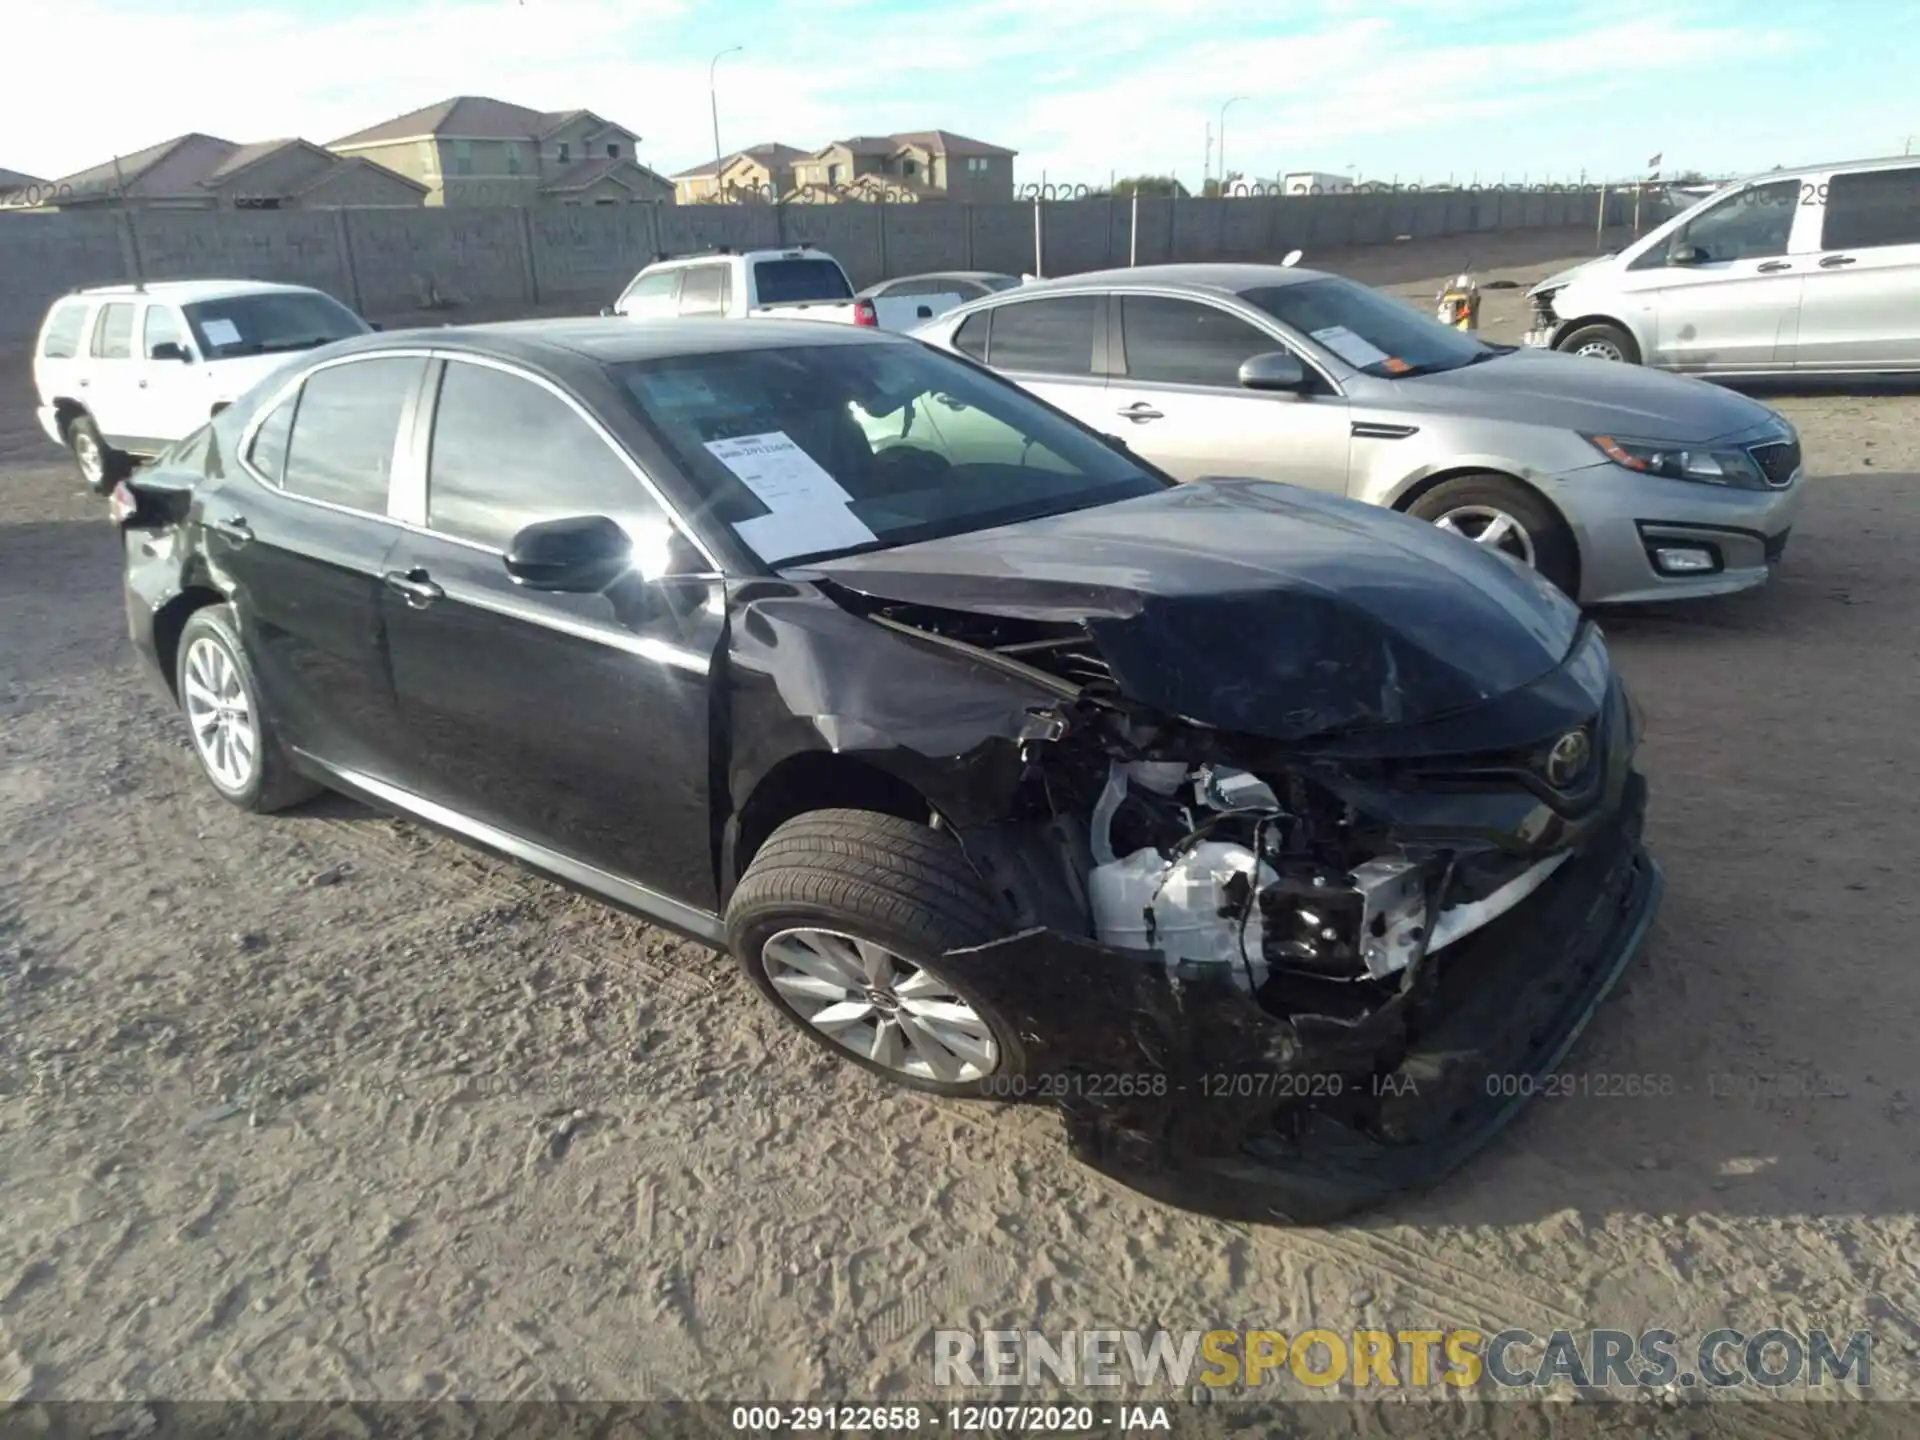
pixel 606 310
pixel 375 325
pixel 923 312
pixel 1683 253
pixel 1275 370
pixel 578 556
pixel 169 350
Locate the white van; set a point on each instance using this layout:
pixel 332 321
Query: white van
pixel 123 371
pixel 1808 271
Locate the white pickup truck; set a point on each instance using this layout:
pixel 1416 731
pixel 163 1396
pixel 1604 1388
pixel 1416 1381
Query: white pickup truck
pixel 800 283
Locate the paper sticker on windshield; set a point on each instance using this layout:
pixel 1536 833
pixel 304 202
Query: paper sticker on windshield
pixel 1349 346
pixel 783 475
pixel 1396 366
pixel 811 531
pixel 220 332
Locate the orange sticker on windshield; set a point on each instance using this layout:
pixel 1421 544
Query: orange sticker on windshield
pixel 1395 365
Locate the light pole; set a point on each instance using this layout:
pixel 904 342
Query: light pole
pixel 713 99
pixel 1222 151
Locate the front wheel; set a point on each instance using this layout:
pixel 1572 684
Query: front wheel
pixel 1601 341
pixel 841 921
pixel 1502 514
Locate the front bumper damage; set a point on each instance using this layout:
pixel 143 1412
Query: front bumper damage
pixel 1191 1092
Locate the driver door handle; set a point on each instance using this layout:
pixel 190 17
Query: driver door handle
pixel 415 585
pixel 1773 265
pixel 1830 261
pixel 1140 410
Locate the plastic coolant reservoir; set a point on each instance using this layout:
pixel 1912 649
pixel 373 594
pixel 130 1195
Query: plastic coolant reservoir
pixel 1187 923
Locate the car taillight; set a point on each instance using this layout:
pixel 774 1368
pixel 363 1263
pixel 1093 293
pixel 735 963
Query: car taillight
pixel 123 505
pixel 865 314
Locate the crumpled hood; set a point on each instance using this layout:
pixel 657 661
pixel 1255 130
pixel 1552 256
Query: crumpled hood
pixel 1253 606
pixel 1579 392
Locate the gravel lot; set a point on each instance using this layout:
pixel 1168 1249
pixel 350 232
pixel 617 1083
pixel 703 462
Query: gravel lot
pixel 325 1105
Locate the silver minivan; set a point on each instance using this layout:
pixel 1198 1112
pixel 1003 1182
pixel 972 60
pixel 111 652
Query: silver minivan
pixel 1814 270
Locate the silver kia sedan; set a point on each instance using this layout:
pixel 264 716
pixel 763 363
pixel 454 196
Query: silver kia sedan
pixel 1614 482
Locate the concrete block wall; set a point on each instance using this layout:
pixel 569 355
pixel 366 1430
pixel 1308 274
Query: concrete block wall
pixel 391 262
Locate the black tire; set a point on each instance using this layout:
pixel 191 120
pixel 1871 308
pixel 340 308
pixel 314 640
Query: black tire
pixel 1556 555
pixel 1601 333
pixel 115 465
pixel 272 784
pixel 880 878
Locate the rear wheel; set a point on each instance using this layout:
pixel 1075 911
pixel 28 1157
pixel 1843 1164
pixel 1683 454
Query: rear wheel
pixel 1502 514
pixel 100 465
pixel 232 736
pixel 841 921
pixel 1601 341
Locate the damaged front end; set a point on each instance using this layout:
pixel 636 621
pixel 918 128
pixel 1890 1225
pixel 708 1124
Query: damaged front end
pixel 1320 831
pixel 1284 979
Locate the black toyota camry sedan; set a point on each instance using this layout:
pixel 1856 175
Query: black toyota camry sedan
pixel 1277 840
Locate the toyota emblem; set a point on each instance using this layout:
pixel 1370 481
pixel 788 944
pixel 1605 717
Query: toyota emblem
pixel 1567 761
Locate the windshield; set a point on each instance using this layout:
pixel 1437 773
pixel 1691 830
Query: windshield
pixel 1377 334
pixel 780 282
pixel 270 322
pixel 817 450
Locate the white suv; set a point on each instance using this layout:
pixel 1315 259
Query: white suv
pixel 123 371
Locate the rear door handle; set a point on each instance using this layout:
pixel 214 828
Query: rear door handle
pixel 416 586
pixel 1773 265
pixel 1831 261
pixel 233 528
pixel 1140 410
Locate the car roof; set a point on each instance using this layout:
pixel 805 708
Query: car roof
pixel 187 292
pixel 614 341
pixel 771 252
pixel 1218 279
pixel 1834 167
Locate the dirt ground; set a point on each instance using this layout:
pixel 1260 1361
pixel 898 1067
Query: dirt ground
pixel 327 1106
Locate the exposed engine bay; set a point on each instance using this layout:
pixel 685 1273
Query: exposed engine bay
pixel 1208 849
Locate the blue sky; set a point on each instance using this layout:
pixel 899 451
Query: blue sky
pixel 1541 89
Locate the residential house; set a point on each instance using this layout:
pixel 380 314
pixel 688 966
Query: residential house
pixel 472 150
pixel 912 165
pixel 205 172
pixel 759 172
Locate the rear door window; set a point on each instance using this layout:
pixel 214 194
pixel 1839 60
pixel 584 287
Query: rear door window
pixel 61 339
pixel 703 290
pixel 971 338
pixel 1045 337
pixel 113 332
pixel 344 430
pixel 1872 208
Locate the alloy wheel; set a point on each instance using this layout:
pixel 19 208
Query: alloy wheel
pixel 1492 528
pixel 878 1005
pixel 86 453
pixel 222 721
